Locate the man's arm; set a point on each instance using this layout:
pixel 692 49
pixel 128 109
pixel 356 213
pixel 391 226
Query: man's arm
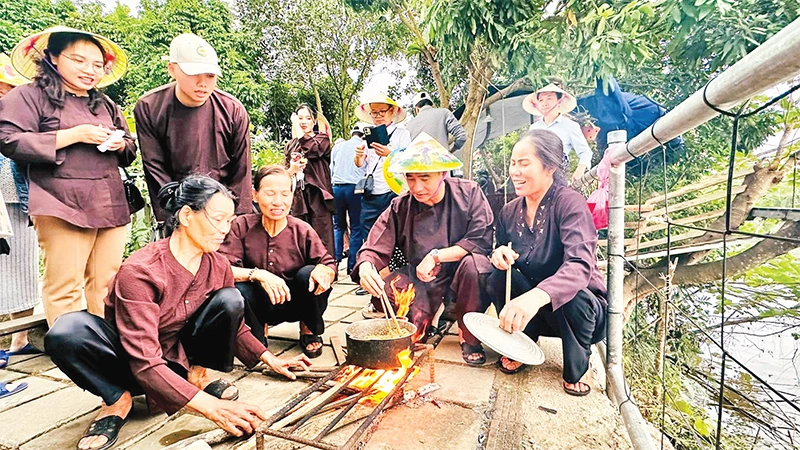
pixel 240 176
pixel 155 158
pixel 455 128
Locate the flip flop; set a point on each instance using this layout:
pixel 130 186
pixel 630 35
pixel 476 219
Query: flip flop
pixel 509 371
pixel 468 350
pixel 108 426
pixel 27 350
pixel 16 387
pixel 305 340
pixel 3 358
pixel 218 387
pixel 575 392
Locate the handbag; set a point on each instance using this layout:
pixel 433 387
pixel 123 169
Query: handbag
pixel 132 193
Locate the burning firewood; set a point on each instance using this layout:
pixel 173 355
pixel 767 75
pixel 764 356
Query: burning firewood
pixel 403 298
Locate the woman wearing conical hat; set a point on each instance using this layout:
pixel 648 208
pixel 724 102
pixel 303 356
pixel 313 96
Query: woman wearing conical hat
pixel 550 105
pixel 56 125
pixel 443 228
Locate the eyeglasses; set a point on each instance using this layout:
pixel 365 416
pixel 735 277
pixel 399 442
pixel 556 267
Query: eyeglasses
pixel 217 223
pixel 379 113
pixel 84 64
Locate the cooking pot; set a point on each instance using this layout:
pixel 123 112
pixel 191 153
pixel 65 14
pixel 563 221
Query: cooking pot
pixel 377 353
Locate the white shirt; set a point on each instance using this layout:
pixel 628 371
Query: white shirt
pixel 400 138
pixel 571 136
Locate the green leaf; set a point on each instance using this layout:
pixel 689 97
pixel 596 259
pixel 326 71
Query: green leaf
pixel 647 9
pixel 702 426
pixel 684 407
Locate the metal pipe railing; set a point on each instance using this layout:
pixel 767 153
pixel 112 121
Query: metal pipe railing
pixel 773 62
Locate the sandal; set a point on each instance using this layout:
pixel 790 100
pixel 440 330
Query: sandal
pixel 577 393
pixel 468 350
pixel 3 359
pixel 509 371
pixel 108 426
pixel 218 387
pixel 15 387
pixel 27 350
pixel 308 339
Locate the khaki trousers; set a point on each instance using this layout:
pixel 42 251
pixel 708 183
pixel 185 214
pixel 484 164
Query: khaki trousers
pixel 77 261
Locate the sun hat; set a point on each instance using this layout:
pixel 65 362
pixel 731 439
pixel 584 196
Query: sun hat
pixel 566 104
pixel 193 55
pixel 27 53
pixel 8 74
pixel 424 154
pixel 362 110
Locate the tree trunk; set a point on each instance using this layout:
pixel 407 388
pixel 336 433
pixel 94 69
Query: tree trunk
pixel 651 278
pixel 480 70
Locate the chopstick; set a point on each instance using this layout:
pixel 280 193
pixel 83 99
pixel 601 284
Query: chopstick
pixel 508 280
pixel 389 311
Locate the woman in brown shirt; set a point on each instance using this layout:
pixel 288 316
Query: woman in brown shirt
pixel 556 289
pixel 172 313
pixel 309 160
pixel 53 127
pixel 279 262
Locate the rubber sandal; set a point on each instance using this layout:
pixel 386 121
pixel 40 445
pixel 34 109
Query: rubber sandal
pixel 305 340
pixel 218 387
pixel 509 371
pixel 468 350
pixel 27 350
pixel 109 427
pixel 577 393
pixel 361 291
pixel 16 387
pixel 3 359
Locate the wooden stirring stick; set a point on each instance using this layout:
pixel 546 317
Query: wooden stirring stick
pixel 389 310
pixel 508 280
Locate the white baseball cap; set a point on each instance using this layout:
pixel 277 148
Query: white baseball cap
pixel 193 55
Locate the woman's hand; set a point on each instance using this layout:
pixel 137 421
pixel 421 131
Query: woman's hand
pixel 371 280
pixel 90 134
pixel 503 257
pixel 282 365
pixel 274 286
pixel 381 149
pixel 297 164
pixel 518 312
pixel 234 417
pixel 322 276
pixel 116 144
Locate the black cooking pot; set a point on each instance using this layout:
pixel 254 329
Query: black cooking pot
pixel 376 353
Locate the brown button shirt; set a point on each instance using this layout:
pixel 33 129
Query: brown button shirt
pixel 249 245
pixel 212 139
pixel 150 301
pixel 78 183
pixel 558 251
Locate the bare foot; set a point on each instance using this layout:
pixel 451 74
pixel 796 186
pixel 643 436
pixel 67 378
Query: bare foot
pixel 121 408
pixel 198 376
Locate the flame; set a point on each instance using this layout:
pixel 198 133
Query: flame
pixel 403 298
pixel 387 380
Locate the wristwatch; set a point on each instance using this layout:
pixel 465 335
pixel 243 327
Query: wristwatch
pixel 435 254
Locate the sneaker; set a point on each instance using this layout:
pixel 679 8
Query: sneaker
pixel 369 312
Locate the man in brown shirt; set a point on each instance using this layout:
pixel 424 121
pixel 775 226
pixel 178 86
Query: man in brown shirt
pixel 443 229
pixel 191 127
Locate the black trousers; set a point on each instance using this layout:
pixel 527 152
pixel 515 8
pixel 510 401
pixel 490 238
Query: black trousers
pixel 88 349
pixel 303 307
pixel 579 323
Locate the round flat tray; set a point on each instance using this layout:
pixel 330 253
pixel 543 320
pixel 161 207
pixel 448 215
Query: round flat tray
pixel 517 346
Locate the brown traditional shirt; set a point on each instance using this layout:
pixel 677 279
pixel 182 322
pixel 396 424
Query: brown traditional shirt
pixel 212 139
pixel 558 251
pixel 463 218
pixel 317 149
pixel 78 183
pixel 150 301
pixel 249 245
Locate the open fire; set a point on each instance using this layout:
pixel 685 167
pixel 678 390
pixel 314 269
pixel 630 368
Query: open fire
pixel 379 382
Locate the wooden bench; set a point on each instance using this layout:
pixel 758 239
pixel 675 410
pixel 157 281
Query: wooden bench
pixel 25 323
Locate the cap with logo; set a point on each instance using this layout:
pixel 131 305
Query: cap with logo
pixel 193 55
pixel 420 97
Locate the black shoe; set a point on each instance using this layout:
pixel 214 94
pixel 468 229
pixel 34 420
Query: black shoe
pixel 361 291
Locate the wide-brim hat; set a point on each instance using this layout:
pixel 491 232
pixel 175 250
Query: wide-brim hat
pixel 27 53
pixel 423 155
pixel 362 110
pixel 8 74
pixel 566 104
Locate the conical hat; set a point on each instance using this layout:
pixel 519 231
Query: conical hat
pixel 362 110
pixel 424 154
pixel 8 74
pixel 565 105
pixel 26 55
